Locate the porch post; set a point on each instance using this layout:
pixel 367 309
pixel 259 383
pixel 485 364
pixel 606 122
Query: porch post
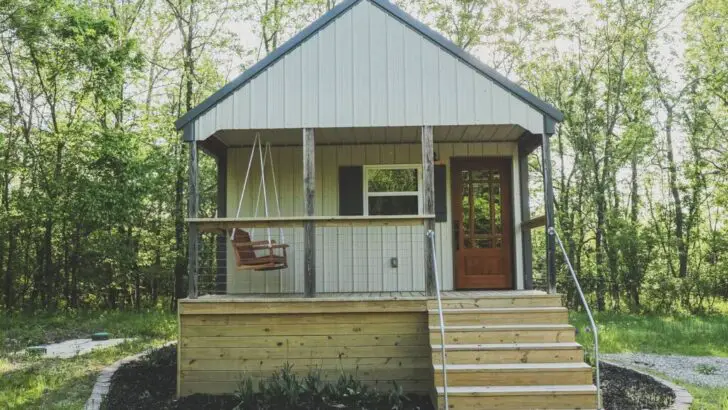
pixel 526 243
pixel 222 239
pixel 193 205
pixel 549 207
pixel 428 202
pixel 309 230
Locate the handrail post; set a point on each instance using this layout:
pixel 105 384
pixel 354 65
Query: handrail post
pixel 431 235
pixel 551 231
pixel 549 208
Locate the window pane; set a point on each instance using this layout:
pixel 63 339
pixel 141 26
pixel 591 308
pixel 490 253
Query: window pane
pixel 392 180
pixel 393 205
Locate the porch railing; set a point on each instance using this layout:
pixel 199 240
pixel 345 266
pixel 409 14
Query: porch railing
pixel 431 235
pixel 592 324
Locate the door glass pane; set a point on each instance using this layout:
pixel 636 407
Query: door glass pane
pixel 481 208
pixel 466 209
pixel 483 223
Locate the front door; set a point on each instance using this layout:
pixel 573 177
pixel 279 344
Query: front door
pixel 481 196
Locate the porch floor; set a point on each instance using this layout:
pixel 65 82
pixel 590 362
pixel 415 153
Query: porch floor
pixel 362 296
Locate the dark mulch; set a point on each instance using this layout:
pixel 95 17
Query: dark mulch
pixel 151 384
pixel 625 389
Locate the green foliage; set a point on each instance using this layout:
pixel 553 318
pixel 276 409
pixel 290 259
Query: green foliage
pixel 93 175
pixel 706 369
pixel 286 389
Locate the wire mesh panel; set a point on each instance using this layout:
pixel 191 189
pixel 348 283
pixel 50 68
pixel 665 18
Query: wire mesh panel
pixel 356 258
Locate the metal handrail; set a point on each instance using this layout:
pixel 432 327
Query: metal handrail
pixel 431 235
pixel 595 331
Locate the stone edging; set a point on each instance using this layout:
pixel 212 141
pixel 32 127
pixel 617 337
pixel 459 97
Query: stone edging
pixel 683 399
pixel 103 382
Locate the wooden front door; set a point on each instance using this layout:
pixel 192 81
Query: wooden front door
pixel 481 197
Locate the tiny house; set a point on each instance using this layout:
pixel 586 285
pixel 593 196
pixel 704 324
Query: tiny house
pixel 366 168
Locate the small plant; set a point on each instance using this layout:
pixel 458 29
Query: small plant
pixel 706 369
pixel 284 389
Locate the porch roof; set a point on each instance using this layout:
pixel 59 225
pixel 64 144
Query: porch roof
pixel 514 97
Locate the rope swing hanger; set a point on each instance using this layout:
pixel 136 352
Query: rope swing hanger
pixel 274 257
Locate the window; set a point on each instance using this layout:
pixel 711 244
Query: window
pixel 392 190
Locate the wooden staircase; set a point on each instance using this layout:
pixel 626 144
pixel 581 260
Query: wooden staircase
pixel 509 352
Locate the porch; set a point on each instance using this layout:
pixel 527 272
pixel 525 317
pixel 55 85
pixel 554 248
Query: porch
pixel 342 244
pixel 517 343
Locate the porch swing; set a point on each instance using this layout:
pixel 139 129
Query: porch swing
pixel 266 255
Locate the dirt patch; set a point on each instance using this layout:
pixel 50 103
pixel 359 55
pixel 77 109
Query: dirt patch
pixel 626 389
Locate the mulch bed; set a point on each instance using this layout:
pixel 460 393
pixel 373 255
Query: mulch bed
pixel 624 389
pixel 151 384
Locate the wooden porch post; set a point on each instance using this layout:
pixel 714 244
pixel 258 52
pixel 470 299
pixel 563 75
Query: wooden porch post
pixel 222 239
pixel 549 207
pixel 526 242
pixel 193 205
pixel 309 230
pixel 428 202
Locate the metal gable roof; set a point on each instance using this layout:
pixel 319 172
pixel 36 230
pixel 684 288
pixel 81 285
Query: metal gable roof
pixel 537 103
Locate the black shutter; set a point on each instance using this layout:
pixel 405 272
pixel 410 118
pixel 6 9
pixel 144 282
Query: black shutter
pixel 351 191
pixel 440 193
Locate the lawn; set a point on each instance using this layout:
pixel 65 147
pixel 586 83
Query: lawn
pixel 681 335
pixel 35 383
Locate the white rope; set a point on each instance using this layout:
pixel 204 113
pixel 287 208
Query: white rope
pixel 245 183
pixel 265 193
pixel 275 190
pixel 257 199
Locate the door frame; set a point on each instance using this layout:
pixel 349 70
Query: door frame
pixel 507 160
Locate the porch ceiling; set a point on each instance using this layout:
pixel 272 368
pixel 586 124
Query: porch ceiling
pixel 374 135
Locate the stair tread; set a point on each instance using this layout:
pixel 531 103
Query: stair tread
pixel 518 309
pixel 517 390
pixel 514 367
pixel 500 328
pixel 507 346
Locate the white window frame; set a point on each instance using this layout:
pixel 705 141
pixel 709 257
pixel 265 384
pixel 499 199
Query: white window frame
pixel 367 194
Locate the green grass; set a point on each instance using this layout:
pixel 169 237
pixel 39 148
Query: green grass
pixel 20 331
pixel 682 335
pixel 28 382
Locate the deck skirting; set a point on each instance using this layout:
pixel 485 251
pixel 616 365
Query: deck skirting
pixel 377 341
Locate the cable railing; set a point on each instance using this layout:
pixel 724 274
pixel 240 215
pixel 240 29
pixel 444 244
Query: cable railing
pixel 431 235
pixel 592 324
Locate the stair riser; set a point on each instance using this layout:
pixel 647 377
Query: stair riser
pixel 511 378
pixel 541 401
pixel 510 356
pixel 508 336
pixel 498 303
pixel 501 318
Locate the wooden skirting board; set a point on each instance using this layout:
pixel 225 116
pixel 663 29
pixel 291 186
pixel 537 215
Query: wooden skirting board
pixel 377 341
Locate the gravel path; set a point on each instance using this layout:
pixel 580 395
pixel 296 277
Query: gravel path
pixel 699 370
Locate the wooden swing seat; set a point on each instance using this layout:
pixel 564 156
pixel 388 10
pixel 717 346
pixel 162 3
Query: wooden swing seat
pixel 246 257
